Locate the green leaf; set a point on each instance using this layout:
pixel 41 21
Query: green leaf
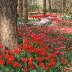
pixel 58 63
pixel 0 67
pixel 36 65
pixel 23 54
pixel 33 71
pixel 70 68
pixel 6 70
pixel 1 71
pixel 62 70
pixel 15 70
pixel 17 57
pixel 51 70
pixel 28 54
pixel 43 70
pixel 20 41
pixel 57 69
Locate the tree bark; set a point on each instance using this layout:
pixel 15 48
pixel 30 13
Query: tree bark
pixel 64 6
pixel 20 8
pixel 50 6
pixel 26 11
pixel 8 23
pixel 44 7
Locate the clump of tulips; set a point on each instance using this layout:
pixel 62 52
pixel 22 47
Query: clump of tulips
pixel 42 51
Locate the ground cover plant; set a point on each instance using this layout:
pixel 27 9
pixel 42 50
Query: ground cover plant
pixel 40 49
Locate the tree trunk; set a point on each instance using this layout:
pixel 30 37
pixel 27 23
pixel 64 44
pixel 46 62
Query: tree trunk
pixel 20 8
pixel 50 6
pixel 44 7
pixel 64 6
pixel 25 11
pixel 8 23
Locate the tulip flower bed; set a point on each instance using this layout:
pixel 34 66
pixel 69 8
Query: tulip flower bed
pixel 55 19
pixel 42 50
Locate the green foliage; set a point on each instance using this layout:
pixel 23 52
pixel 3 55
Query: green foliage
pixel 33 7
pixel 68 36
pixel 20 41
pixel 67 17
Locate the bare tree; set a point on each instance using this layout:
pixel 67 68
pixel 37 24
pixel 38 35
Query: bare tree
pixel 44 7
pixel 64 6
pixel 8 23
pixel 26 11
pixel 50 6
pixel 20 8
